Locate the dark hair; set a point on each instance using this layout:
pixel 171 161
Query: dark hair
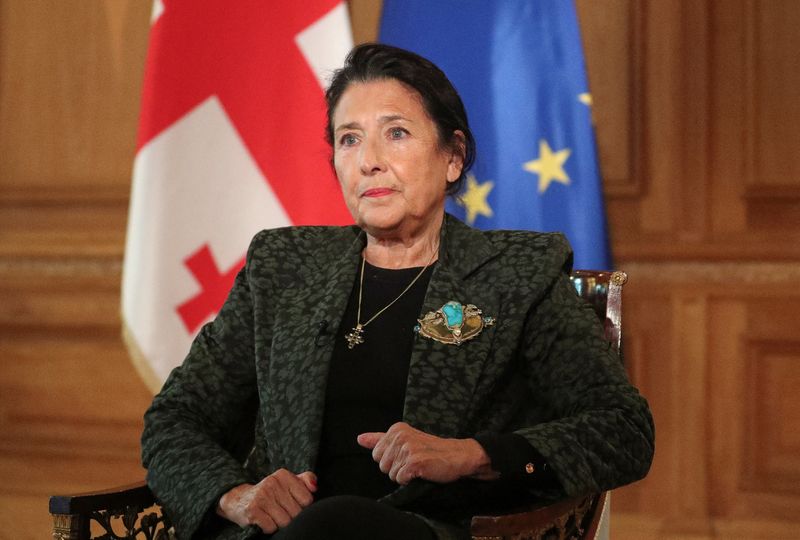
pixel 375 61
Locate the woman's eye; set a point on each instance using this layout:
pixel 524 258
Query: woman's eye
pixel 397 133
pixel 348 140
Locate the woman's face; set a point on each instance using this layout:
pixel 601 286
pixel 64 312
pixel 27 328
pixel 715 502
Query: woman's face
pixel 388 159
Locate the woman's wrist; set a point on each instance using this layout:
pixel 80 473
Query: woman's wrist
pixel 479 464
pixel 227 503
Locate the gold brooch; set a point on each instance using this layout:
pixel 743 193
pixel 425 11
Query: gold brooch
pixel 453 323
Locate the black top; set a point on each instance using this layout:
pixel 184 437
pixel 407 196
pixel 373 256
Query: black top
pixel 367 384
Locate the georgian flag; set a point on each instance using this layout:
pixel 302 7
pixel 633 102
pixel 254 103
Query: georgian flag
pixel 231 141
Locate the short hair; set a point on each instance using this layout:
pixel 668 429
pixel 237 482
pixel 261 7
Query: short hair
pixel 375 61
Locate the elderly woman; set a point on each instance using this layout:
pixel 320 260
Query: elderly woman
pixel 392 378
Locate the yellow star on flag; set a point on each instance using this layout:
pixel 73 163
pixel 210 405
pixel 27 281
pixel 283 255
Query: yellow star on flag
pixel 549 166
pixel 474 200
pixel 585 98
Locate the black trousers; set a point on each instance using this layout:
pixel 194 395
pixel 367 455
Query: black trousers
pixel 353 518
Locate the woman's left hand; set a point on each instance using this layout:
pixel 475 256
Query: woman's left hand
pixel 405 453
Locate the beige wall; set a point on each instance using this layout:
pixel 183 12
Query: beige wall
pixel 697 113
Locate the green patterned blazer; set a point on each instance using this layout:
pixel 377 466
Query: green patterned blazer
pixel 248 399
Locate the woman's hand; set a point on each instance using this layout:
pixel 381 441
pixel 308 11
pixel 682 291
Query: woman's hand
pixel 405 453
pixel 272 503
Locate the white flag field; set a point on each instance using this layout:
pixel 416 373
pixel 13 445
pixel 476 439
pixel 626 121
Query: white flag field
pixel 230 142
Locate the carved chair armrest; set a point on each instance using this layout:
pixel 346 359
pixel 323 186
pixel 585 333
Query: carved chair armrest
pixel 573 518
pixel 72 514
pixel 137 494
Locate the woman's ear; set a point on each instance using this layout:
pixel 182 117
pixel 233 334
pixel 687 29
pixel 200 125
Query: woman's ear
pixel 458 149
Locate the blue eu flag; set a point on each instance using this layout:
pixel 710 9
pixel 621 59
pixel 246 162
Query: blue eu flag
pixel 518 65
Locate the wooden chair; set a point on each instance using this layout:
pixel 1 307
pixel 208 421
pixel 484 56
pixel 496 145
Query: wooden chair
pixel 131 512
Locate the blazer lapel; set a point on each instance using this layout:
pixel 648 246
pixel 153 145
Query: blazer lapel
pixel 300 375
pixel 442 378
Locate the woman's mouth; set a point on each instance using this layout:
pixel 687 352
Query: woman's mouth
pixel 377 192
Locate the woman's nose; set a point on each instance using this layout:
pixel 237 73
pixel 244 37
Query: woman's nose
pixel 371 158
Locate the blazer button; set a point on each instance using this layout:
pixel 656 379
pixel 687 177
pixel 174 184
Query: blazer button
pixel 529 468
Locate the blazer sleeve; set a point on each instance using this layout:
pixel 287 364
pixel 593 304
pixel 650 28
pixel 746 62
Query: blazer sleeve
pixel 600 432
pixel 194 443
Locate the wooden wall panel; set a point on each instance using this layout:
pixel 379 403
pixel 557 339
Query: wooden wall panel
pixel 772 190
pixel 647 331
pixel 755 368
pixel 704 95
pixel 365 19
pixel 71 403
pixel 715 351
pixel 773 79
pixel 611 45
pixel 755 112
pixel 69 94
pixel 771 450
pixel 69 101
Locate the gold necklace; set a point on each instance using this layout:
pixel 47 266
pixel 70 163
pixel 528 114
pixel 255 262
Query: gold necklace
pixel 356 335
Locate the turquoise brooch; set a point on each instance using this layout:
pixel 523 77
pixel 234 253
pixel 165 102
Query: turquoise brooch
pixel 453 323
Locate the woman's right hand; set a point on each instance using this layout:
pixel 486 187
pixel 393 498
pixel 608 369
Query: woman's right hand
pixel 272 503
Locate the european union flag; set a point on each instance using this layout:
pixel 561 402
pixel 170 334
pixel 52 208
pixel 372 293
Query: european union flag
pixel 518 65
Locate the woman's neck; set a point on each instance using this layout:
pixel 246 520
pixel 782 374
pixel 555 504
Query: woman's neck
pixel 407 251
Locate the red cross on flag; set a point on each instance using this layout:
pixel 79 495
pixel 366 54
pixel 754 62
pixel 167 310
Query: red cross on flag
pixel 231 141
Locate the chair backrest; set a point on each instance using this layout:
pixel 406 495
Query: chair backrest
pixel 603 291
